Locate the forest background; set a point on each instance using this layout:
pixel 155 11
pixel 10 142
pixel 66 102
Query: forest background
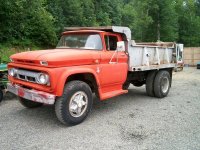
pixel 38 24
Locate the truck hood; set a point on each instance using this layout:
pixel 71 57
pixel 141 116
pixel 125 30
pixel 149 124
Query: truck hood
pixel 57 57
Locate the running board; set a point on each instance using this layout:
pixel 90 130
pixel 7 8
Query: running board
pixel 112 94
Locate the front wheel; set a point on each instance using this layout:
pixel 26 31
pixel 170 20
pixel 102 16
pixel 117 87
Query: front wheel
pixel 29 103
pixel 75 104
pixel 162 84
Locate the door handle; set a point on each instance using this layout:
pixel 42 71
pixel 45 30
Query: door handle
pixel 122 54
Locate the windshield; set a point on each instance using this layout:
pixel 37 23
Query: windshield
pixel 81 41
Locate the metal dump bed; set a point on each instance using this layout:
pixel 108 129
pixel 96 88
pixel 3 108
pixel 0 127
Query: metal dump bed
pixel 151 56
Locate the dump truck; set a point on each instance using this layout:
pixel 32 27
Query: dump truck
pixel 90 60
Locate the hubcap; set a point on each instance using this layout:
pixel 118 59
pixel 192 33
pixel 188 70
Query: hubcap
pixel 165 84
pixel 78 104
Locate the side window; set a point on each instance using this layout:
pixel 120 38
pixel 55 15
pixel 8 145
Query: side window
pixel 111 42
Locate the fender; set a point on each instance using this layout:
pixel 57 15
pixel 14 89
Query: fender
pixel 72 71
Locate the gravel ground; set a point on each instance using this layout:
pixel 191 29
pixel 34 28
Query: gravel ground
pixel 132 121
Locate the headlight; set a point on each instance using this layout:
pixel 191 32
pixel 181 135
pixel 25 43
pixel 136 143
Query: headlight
pixel 43 78
pixel 12 72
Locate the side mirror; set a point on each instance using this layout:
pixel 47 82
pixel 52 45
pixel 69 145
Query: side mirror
pixel 121 46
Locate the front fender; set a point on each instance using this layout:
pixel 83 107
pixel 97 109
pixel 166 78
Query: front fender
pixel 72 71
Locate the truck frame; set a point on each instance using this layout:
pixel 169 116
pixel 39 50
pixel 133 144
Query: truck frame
pixel 100 60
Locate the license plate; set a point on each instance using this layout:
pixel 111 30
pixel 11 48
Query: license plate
pixel 21 92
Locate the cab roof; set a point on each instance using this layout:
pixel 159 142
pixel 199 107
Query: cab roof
pixel 75 31
pixel 118 29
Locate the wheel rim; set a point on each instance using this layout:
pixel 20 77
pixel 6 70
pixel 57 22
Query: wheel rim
pixel 78 104
pixel 165 84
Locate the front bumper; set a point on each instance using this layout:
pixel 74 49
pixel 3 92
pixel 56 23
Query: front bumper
pixel 33 95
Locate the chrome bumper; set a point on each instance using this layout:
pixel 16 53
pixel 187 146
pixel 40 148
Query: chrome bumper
pixel 33 95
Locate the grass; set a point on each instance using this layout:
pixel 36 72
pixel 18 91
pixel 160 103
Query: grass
pixel 7 50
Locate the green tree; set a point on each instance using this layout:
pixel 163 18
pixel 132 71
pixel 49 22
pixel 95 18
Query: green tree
pixel 102 9
pixel 197 3
pixel 89 17
pixel 189 23
pixel 26 23
pixel 73 12
pixel 165 21
pixel 55 8
pixel 136 16
pixel 115 12
pixel 39 22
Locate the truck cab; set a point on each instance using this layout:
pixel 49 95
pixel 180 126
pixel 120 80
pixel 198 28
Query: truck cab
pixel 106 61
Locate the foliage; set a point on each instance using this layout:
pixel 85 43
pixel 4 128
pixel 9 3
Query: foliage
pixel 165 21
pixel 189 23
pixel 30 23
pixel 26 22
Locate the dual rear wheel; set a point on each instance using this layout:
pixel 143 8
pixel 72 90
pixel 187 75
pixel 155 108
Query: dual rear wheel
pixel 158 83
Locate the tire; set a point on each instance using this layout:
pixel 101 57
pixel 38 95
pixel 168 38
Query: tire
pixel 79 108
pixel 28 103
pixel 162 84
pixel 1 95
pixel 150 83
pixel 138 84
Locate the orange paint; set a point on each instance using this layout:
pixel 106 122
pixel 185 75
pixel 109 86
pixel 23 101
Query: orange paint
pixel 62 63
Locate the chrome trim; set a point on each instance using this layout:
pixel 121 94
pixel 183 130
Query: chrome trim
pixel 26 75
pixel 31 94
pixel 29 76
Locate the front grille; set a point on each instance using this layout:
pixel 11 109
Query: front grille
pixel 25 75
pixel 22 77
pixel 31 79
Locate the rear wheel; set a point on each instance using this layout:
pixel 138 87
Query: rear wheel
pixel 75 104
pixel 162 84
pixel 150 83
pixel 29 103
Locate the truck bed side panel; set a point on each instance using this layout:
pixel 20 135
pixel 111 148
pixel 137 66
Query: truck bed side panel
pixel 144 57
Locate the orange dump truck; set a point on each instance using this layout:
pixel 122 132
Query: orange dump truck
pixel 87 60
